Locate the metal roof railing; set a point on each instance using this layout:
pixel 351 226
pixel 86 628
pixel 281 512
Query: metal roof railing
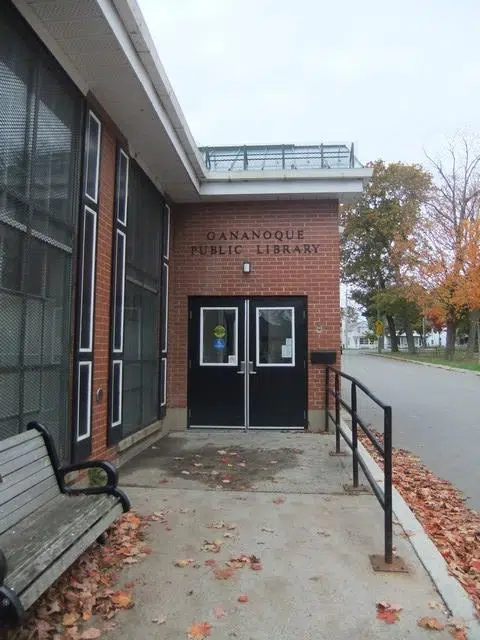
pixel 284 157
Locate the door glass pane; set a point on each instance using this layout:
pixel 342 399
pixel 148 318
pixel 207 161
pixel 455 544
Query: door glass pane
pixel 275 336
pixel 219 336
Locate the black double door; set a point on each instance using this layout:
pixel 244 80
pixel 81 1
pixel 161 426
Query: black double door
pixel 247 362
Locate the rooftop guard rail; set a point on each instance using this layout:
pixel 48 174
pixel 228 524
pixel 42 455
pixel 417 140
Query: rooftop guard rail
pixel 384 496
pixel 283 157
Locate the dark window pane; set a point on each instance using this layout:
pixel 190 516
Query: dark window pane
pixel 40 118
pixel 119 292
pixel 117 393
pixel 87 282
pixel 84 385
pixel 93 158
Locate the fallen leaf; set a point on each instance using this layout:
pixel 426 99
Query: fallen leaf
pixel 475 565
pixel 226 481
pixel 199 630
pixel 242 598
pixel 210 562
pixel 458 634
pixel 214 547
pixel 224 574
pixel 219 612
pixel 387 612
pixel 91 634
pixel 198 464
pixel 122 599
pixel 184 563
pixel 273 461
pixel 69 619
pixel 228 535
pixel 267 530
pixel 160 620
pixel 129 585
pixel 279 500
pixel 148 550
pixel 256 566
pixel 430 623
pixel 222 452
pixel 325 534
pixel 186 473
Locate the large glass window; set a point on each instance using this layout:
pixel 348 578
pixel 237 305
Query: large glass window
pixel 142 383
pixel 40 119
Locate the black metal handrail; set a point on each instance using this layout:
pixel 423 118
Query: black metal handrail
pixel 384 496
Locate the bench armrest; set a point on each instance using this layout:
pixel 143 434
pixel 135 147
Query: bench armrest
pixel 108 467
pixel 92 491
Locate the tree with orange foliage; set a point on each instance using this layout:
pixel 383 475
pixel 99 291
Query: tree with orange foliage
pixel 444 238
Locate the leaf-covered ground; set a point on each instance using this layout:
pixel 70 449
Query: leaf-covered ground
pixel 441 509
pixel 90 587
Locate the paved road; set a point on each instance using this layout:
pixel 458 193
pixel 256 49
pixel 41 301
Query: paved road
pixel 436 415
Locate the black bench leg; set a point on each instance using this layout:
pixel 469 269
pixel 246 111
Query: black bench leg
pixel 11 609
pixel 102 538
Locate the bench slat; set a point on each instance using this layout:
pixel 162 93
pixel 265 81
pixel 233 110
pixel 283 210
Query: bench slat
pixel 8 455
pixel 36 542
pixel 17 483
pixel 11 518
pixel 68 558
pixel 22 461
pixel 14 441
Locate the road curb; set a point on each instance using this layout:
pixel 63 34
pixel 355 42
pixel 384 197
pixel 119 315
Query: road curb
pixel 451 591
pixel 426 364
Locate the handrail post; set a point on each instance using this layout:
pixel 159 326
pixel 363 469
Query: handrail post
pixel 327 398
pixel 337 412
pixel 387 465
pixel 354 433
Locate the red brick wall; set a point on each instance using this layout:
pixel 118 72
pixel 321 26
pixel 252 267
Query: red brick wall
pixel 315 275
pixel 102 295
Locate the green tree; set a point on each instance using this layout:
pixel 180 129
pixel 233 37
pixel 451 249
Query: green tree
pixel 378 242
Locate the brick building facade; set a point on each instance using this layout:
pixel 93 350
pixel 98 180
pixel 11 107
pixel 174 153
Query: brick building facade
pixel 139 274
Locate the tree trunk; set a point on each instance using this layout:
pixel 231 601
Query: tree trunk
pixel 451 335
pixel 409 335
pixel 474 317
pixel 393 334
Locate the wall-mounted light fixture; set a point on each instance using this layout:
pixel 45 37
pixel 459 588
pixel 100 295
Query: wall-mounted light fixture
pixel 247 267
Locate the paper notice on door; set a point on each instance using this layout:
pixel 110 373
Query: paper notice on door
pixel 288 342
pixel 286 350
pixel 232 360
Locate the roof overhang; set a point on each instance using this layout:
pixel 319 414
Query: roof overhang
pixel 106 48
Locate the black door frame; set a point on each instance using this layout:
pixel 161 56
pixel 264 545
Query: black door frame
pixel 246 357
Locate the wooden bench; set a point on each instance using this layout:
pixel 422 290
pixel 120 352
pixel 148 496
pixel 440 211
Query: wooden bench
pixel 44 524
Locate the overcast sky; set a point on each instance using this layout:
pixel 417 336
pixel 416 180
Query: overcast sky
pixel 392 76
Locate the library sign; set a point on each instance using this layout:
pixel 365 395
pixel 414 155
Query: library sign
pixel 265 242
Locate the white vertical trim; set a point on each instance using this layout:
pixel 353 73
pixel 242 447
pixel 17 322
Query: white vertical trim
pixel 115 349
pixel 92 116
pixel 89 401
pixel 218 364
pixel 164 383
pixel 89 348
pixel 167 254
pixel 257 341
pixel 165 302
pixel 123 218
pixel 119 364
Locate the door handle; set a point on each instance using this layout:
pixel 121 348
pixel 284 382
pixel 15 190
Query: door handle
pixel 250 369
pixel 241 371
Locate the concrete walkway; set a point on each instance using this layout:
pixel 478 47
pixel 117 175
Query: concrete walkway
pixel 311 538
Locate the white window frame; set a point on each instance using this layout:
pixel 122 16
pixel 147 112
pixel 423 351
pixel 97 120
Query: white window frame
pixel 86 435
pixel 165 328
pixel 119 232
pixel 167 255
pixel 219 364
pixel 257 341
pixel 92 116
pixel 118 363
pixel 89 348
pixel 163 402
pixel 122 216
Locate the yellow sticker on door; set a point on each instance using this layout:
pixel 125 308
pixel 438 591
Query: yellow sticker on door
pixel 219 331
